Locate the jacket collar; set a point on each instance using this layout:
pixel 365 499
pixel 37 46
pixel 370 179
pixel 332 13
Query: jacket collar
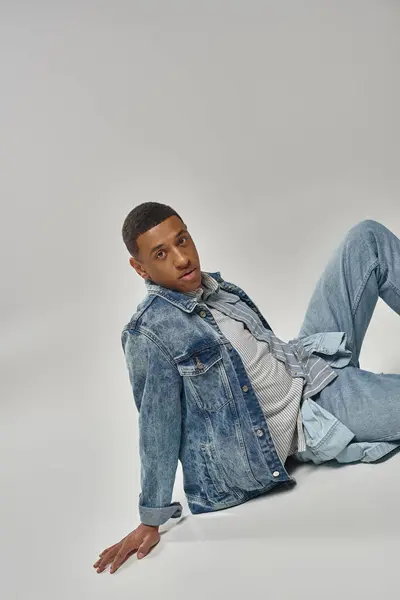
pixel 187 300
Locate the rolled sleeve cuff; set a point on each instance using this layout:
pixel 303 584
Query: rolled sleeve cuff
pixel 332 344
pixel 159 516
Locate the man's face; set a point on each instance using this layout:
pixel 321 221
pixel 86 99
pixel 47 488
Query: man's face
pixel 166 252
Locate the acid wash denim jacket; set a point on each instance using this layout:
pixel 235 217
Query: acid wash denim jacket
pixel 196 404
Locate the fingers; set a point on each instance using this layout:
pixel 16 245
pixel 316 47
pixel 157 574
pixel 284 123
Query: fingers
pixel 145 548
pixel 101 564
pixel 120 552
pixel 118 564
pixel 143 551
pixel 110 551
pixel 124 553
pixel 106 558
pixel 107 549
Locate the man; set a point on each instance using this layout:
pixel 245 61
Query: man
pixel 217 390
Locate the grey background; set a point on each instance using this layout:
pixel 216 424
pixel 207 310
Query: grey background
pixel 260 122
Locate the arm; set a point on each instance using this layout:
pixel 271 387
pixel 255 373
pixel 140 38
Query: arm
pixel 156 386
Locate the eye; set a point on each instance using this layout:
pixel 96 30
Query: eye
pixel 184 238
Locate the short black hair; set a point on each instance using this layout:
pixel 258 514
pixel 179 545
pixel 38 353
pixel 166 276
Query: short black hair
pixel 142 218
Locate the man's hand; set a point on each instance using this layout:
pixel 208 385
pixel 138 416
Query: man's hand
pixel 141 539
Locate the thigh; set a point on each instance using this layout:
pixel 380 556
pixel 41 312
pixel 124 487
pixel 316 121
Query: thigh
pixel 367 403
pixel 347 292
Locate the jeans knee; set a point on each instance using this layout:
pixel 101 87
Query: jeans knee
pixel 365 227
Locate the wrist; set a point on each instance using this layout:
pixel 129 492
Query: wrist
pixel 156 527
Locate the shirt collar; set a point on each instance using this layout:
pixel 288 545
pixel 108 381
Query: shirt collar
pixel 209 286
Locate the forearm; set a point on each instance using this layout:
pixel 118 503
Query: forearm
pixel 156 385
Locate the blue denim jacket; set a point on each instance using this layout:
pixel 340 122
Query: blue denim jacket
pixel 196 404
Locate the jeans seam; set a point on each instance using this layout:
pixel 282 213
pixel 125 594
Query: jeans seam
pixel 394 287
pixel 359 294
pixel 362 287
pixel 326 437
pixel 389 438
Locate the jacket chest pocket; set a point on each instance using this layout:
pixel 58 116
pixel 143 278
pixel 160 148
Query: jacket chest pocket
pixel 205 376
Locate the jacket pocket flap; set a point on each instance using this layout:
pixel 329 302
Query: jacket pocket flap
pixel 199 362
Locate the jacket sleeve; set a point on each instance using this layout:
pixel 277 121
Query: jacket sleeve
pixel 156 386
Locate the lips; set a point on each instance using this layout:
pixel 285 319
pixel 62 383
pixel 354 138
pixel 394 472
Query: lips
pixel 188 274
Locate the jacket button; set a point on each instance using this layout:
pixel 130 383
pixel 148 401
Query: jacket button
pixel 245 388
pixel 275 473
pixel 203 313
pixel 260 432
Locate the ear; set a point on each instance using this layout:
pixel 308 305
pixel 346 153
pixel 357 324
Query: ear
pixel 138 268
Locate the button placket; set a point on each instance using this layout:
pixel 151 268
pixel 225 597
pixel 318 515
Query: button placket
pixel 203 314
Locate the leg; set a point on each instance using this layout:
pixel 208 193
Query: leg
pixel 367 403
pixel 365 266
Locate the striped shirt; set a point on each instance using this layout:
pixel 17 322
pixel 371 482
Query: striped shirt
pixel 297 354
pixel 278 392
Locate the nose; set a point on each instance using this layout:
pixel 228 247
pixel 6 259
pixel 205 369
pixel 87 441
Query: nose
pixel 180 259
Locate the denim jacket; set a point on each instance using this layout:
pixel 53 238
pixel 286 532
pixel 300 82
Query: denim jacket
pixel 197 406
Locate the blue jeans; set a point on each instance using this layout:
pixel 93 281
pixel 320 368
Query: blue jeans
pixel 364 267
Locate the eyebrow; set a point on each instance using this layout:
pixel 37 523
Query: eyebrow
pixel 161 245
